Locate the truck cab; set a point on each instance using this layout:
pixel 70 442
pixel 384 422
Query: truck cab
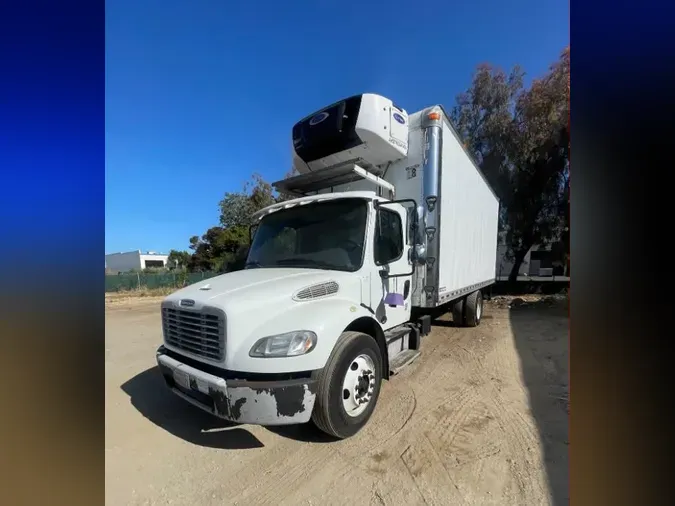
pixel 253 346
pixel 352 235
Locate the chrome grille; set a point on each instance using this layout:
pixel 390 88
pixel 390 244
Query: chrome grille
pixel 200 333
pixel 315 291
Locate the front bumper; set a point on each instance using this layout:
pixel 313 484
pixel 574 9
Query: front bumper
pixel 280 402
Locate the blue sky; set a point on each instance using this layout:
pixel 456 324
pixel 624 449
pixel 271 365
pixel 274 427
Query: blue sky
pixel 201 94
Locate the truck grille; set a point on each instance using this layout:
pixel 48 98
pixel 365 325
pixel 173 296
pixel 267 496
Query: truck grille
pixel 200 333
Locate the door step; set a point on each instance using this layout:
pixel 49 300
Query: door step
pixel 395 334
pixel 402 360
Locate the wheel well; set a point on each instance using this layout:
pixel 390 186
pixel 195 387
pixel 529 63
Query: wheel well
pixel 370 327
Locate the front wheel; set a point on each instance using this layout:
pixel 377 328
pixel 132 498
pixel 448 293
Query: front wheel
pixel 349 386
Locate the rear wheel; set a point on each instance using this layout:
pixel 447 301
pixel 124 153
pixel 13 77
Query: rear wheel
pixel 474 309
pixel 349 386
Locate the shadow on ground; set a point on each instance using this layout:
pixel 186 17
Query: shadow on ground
pixel 443 323
pixel 150 396
pixel 307 433
pixel 541 335
pixel 436 314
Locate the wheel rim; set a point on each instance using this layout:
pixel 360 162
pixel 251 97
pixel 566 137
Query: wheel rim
pixel 479 307
pixel 359 385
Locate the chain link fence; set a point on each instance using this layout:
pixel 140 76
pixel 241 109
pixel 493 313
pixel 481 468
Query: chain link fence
pixel 139 280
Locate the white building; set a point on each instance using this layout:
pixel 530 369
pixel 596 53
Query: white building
pixel 135 260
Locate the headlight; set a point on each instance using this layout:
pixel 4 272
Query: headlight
pixel 290 344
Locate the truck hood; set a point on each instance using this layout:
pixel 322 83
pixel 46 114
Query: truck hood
pixel 254 285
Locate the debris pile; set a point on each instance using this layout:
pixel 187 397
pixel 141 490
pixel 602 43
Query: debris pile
pixel 514 301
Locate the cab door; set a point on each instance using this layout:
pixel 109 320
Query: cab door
pixel 391 283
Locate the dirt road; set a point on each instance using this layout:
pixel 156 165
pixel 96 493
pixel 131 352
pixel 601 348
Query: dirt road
pixel 479 418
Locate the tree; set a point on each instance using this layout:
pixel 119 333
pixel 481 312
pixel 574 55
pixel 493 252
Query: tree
pixel 217 248
pixel 230 242
pixel 224 248
pixel 237 208
pixel 178 259
pixel 561 248
pixel 520 139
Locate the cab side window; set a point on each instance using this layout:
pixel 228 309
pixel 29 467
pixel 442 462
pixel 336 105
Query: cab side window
pixel 388 236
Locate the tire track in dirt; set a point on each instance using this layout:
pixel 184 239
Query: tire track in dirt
pixel 434 484
pixel 343 457
pixel 432 396
pixel 389 419
pixel 458 394
pixel 435 351
pixel 523 442
pixel 457 375
pixel 469 434
pixel 279 477
pixel 468 437
pixel 441 378
pixel 521 435
pixel 320 488
pixel 452 406
pixel 464 431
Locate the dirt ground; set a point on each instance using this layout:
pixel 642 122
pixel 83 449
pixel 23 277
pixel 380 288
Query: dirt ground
pixel 480 418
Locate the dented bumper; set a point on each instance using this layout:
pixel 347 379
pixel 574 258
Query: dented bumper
pixel 281 402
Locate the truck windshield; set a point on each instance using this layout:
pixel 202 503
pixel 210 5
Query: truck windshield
pixel 322 235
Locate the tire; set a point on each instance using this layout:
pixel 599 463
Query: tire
pixel 458 316
pixel 330 414
pixel 473 310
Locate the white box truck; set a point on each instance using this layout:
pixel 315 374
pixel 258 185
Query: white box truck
pixel 392 219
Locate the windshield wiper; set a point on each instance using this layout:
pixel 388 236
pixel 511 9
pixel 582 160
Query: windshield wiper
pixel 252 263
